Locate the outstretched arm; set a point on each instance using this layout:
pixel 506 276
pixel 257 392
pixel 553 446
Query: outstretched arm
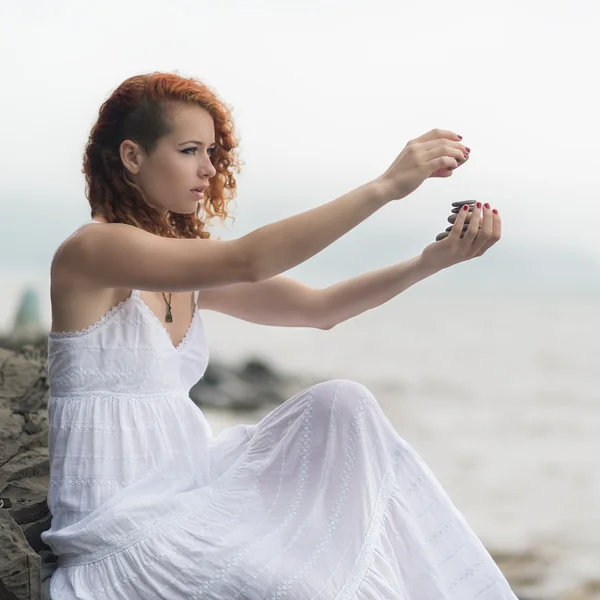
pixel 285 302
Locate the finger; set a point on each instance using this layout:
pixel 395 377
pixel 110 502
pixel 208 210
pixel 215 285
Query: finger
pixel 473 228
pixel 452 218
pixel 455 234
pixel 458 205
pixel 435 134
pixel 442 166
pixel 485 231
pixel 426 146
pixel 444 234
pixel 496 232
pixel 452 227
pixel 457 209
pixel 442 173
pixel 445 150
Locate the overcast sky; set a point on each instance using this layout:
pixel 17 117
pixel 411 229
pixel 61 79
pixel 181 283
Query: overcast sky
pixel 324 94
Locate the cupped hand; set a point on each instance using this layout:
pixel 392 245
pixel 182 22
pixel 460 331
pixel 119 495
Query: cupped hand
pixel 465 242
pixel 434 154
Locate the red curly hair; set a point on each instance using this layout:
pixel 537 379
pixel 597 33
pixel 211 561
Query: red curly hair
pixel 138 110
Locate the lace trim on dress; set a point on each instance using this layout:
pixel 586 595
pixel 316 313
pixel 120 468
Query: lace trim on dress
pixel 111 396
pixel 93 326
pixel 111 427
pixel 146 456
pixel 366 553
pixel 97 481
pixel 86 374
pixel 57 335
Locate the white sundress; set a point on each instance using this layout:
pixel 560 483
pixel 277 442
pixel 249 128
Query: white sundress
pixel 321 499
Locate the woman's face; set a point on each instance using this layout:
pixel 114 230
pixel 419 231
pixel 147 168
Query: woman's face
pixel 180 163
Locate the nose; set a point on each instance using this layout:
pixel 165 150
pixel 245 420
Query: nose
pixel 206 168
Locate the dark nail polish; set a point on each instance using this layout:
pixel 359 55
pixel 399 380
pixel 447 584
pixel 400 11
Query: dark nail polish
pixel 495 211
pixel 479 205
pixel 459 136
pixel 466 207
pixel 487 205
pixel 467 149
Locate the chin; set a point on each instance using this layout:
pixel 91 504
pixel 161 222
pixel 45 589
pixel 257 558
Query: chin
pixel 184 211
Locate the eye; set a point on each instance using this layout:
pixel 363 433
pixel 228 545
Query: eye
pixel 192 150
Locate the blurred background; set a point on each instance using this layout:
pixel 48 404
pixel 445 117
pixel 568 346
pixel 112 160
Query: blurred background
pixel 491 370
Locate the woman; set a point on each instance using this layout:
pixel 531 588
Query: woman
pixel 320 499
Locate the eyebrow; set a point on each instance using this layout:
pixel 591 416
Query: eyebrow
pixel 196 142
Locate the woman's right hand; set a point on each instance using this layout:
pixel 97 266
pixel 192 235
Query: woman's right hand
pixel 435 154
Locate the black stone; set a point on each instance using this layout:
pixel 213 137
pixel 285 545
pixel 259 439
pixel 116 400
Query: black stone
pixel 461 202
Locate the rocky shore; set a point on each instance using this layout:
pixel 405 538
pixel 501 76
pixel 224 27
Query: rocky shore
pixel 26 564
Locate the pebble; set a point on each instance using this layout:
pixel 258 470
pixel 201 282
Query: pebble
pixel 462 202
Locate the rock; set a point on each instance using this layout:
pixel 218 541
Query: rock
pixel 461 202
pixel 33 530
pixel 24 381
pixel 20 565
pixel 24 469
pixel 257 371
pixel 49 564
pixel 30 463
pixel 215 374
pixel 249 387
pixel 29 347
pixel 236 394
pixel 457 210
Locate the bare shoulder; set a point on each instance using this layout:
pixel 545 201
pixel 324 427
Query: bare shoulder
pixel 77 298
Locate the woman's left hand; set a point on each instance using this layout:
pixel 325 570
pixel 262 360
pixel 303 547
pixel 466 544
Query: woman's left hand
pixel 482 232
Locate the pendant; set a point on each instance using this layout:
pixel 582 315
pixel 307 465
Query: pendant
pixel 169 317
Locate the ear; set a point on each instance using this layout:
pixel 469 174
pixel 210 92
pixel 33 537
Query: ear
pixel 131 155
